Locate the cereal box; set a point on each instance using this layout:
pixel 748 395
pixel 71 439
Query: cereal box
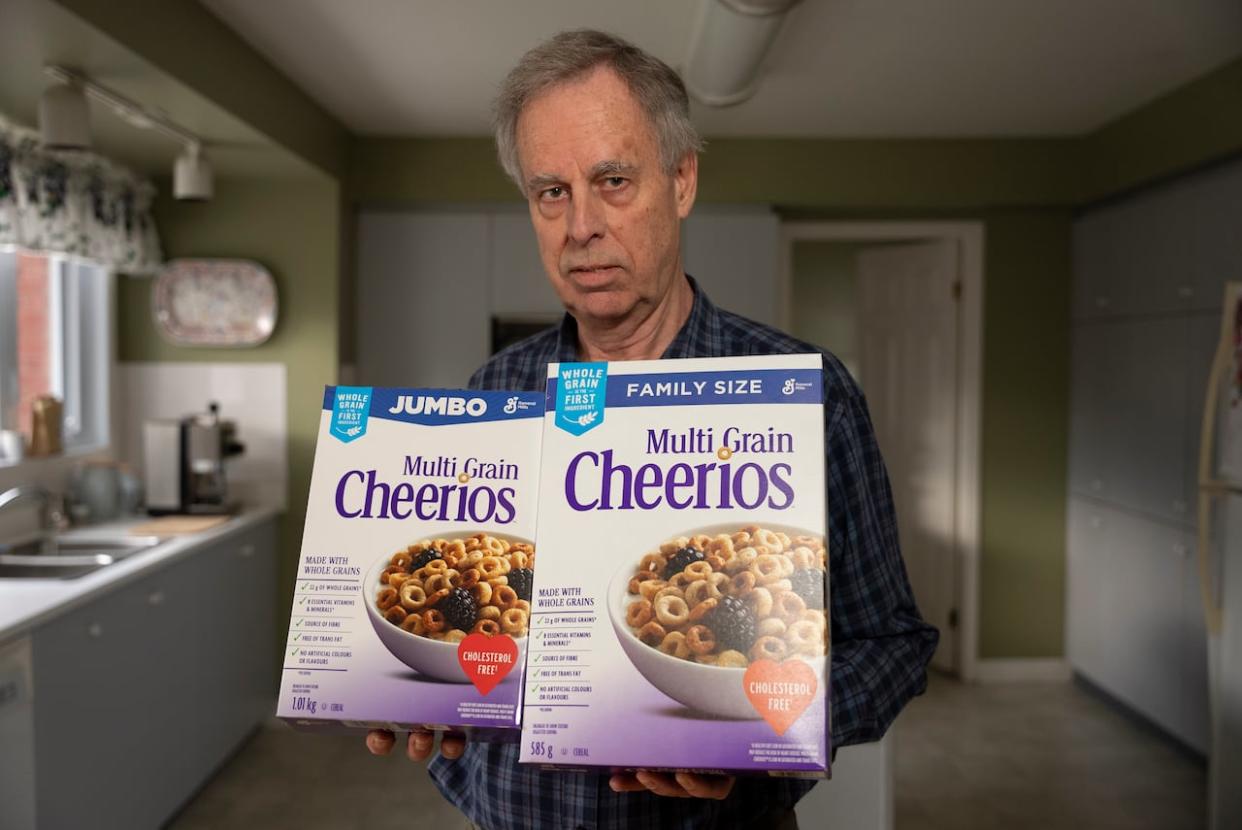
pixel 678 620
pixel 412 600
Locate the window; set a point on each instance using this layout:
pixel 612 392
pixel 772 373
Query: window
pixel 54 341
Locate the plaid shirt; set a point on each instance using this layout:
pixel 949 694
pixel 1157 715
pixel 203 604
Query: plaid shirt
pixel 880 644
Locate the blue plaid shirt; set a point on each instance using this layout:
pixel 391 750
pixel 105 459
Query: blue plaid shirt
pixel 880 644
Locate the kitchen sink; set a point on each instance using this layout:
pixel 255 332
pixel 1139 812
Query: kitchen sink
pixel 52 557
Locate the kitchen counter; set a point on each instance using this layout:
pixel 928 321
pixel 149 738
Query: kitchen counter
pixel 26 603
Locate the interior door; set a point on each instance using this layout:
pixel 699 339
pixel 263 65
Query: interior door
pixel 909 346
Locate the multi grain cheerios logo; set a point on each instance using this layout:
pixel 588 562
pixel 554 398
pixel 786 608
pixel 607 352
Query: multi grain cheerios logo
pixel 439 405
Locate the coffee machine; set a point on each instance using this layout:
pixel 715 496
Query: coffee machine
pixel 183 463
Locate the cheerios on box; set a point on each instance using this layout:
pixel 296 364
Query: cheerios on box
pixel 678 618
pixel 412 600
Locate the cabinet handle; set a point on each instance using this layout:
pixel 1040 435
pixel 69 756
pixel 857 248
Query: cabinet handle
pixel 1096 485
pixel 155 598
pixel 246 551
pixel 1180 550
pixel 95 630
pixel 1096 522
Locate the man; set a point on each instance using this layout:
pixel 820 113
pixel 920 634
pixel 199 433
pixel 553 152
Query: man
pixel 597 135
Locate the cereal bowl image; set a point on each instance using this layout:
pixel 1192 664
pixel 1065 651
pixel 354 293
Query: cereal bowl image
pixel 693 612
pixel 423 600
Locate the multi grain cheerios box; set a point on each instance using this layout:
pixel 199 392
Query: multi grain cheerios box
pixel 678 619
pixel 412 599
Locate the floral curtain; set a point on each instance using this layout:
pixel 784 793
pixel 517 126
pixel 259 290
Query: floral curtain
pixel 74 203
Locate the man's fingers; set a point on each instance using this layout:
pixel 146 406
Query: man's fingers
pixel 661 784
pixel 380 741
pixel 418 748
pixel 626 783
pixel 705 786
pixel 452 746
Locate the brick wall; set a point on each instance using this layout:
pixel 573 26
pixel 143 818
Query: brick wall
pixel 34 371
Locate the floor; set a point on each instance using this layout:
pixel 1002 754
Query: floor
pixel 1054 755
pixel 1004 756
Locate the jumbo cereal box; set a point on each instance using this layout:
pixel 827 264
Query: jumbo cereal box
pixel 679 615
pixel 412 601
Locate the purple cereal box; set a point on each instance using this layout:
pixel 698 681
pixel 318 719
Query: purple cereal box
pixel 679 616
pixel 412 600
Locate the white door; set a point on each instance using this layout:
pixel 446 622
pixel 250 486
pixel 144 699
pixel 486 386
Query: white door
pixel 908 325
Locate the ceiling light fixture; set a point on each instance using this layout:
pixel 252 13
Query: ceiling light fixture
pixel 192 179
pixel 192 174
pixel 730 41
pixel 64 118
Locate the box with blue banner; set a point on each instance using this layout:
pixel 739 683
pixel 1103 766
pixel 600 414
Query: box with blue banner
pixel 412 600
pixel 679 618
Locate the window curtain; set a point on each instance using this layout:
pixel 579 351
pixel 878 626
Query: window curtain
pixel 74 203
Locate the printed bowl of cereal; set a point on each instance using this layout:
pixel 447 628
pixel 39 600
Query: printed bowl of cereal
pixel 424 599
pixel 696 610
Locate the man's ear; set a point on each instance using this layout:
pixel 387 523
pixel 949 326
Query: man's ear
pixel 686 183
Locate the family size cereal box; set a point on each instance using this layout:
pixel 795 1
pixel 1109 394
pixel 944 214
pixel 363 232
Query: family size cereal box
pixel 679 617
pixel 412 599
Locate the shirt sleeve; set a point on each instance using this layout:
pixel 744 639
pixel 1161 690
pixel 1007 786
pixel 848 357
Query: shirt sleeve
pixel 880 644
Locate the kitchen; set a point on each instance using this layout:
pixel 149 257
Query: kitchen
pixel 355 212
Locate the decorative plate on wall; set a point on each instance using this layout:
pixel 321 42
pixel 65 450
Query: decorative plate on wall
pixel 214 302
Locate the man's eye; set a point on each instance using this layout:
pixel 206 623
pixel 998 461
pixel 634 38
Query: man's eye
pixel 614 182
pixel 551 194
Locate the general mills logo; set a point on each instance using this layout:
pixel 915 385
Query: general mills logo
pixel 511 405
pixel 789 387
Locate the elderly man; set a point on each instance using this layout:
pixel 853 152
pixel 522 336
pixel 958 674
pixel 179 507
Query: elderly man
pixel 597 135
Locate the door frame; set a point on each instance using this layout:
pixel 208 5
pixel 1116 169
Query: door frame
pixel 967 515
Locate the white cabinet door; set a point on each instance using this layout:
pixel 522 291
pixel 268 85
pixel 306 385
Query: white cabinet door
pixel 1143 377
pixel 1091 415
pixel 735 255
pixel 1217 246
pixel 1087 599
pixel 423 316
pixel 517 283
pixel 1145 627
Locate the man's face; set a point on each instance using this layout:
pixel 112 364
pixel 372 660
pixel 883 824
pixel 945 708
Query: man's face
pixel 606 215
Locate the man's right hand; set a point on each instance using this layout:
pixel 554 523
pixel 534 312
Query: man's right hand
pixel 419 745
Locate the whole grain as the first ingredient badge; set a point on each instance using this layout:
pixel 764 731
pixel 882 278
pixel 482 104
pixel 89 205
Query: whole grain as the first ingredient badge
pixel 350 407
pixel 580 389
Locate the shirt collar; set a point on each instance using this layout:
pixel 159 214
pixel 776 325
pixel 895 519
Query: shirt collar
pixel 693 339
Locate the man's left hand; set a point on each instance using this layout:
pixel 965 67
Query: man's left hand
pixel 673 785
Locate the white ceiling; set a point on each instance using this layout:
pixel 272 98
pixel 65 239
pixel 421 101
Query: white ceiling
pixel 859 68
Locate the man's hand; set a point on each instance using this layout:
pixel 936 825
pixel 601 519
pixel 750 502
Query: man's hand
pixel 419 745
pixel 675 785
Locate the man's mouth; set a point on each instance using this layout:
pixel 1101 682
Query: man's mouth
pixel 594 274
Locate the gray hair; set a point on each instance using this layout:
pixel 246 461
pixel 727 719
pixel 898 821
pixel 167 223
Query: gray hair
pixel 570 55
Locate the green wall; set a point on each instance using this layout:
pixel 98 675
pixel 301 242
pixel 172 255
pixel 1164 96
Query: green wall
pixel 291 227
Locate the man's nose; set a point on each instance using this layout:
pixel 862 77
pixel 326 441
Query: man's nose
pixel 586 217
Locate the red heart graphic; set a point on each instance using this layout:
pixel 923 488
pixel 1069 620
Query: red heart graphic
pixel 780 692
pixel 486 660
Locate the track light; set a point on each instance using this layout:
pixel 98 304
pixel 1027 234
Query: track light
pixel 730 42
pixel 192 178
pixel 192 175
pixel 64 119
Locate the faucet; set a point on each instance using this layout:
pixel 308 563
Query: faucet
pixel 52 513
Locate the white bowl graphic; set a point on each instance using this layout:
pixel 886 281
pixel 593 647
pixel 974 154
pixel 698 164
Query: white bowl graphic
pixel 434 658
pixel 712 690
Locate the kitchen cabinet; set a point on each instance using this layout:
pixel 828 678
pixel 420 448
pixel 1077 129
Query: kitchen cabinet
pixel 1134 619
pixel 735 254
pixel 430 283
pixel 1129 421
pixel 141 692
pixel 1167 250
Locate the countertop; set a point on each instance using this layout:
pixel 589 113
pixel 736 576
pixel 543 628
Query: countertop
pixel 25 603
